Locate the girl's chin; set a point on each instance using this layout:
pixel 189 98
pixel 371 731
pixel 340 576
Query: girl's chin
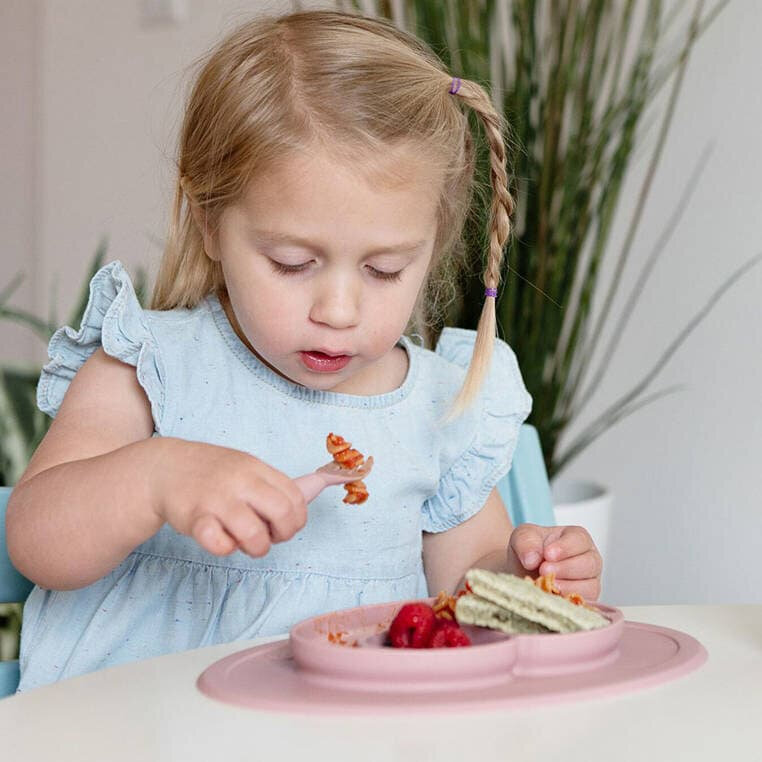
pixel 301 375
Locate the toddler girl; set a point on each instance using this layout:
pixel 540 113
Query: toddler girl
pixel 324 173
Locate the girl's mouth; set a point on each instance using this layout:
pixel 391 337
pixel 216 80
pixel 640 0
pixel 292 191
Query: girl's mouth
pixel 322 363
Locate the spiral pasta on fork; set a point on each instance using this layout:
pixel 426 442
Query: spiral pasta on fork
pixel 346 457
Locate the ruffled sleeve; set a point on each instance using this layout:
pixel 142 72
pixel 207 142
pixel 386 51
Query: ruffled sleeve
pixel 478 453
pixel 114 320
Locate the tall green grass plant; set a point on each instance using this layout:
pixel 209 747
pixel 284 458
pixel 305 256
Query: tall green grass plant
pixel 579 83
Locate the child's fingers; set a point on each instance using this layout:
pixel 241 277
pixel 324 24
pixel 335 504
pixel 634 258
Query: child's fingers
pixel 248 528
pixel 589 589
pixel 209 533
pixel 293 494
pixel 572 541
pixel 284 516
pixel 527 543
pixel 584 566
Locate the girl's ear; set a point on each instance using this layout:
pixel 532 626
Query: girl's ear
pixel 202 225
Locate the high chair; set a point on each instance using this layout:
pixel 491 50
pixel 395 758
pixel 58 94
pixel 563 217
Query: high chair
pixel 524 490
pixel 14 588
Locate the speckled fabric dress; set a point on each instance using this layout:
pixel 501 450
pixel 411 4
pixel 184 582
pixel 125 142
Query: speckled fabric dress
pixel 203 384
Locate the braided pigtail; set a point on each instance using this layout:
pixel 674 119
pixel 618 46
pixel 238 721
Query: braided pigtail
pixel 475 97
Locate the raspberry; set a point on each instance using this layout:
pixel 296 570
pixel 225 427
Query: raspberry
pixel 447 634
pixel 412 627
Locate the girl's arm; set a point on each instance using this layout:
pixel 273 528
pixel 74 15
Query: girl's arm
pixel 100 484
pixel 488 541
pixel 83 502
pixel 479 541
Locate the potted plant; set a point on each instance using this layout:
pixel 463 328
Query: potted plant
pixel 22 424
pixel 573 79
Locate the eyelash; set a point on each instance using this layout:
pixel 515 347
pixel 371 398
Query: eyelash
pixel 279 267
pixel 381 275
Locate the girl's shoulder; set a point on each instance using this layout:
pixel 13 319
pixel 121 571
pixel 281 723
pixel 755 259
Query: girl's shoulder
pixel 115 310
pixel 476 447
pixel 456 345
pixel 114 319
pixel 444 368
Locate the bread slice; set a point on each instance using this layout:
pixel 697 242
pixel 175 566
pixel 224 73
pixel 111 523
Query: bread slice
pixel 505 602
pixel 471 609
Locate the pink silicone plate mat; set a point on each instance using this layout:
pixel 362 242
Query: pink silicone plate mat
pixel 337 663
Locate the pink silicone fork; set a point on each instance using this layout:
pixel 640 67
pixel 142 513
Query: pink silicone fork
pixel 331 473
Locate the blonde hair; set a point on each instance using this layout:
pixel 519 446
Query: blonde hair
pixel 276 84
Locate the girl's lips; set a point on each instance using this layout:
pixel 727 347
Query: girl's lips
pixel 322 363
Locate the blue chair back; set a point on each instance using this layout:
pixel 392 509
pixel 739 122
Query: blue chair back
pixel 525 489
pixel 14 588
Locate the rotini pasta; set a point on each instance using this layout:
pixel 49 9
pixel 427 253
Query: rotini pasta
pixel 346 457
pixel 547 583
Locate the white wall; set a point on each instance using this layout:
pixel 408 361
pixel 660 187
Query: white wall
pixel 113 100
pixel 100 95
pixel 88 151
pixel 686 471
pixel 20 25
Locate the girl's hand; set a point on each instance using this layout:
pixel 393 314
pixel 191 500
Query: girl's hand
pixel 225 499
pixel 567 552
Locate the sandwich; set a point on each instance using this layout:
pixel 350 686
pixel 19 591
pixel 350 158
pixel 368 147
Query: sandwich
pixel 508 603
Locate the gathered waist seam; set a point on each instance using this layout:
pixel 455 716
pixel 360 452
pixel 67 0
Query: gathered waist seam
pixel 296 572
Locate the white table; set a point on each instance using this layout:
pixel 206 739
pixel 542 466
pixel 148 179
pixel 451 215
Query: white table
pixel 151 710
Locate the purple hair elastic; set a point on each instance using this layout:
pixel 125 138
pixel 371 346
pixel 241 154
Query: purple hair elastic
pixel 490 292
pixel 455 86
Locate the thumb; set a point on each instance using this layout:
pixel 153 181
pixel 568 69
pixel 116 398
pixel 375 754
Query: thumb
pixel 527 544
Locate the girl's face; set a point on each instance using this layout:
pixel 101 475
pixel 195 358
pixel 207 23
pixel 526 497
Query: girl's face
pixel 323 267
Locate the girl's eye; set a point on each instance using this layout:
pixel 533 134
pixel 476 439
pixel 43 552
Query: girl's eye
pixel 381 275
pixel 279 267
pixel 284 269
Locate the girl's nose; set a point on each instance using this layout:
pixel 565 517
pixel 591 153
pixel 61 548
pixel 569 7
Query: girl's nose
pixel 336 303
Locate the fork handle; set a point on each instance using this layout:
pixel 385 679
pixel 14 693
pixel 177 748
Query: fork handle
pixel 311 485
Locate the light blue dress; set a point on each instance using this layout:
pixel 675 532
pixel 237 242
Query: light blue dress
pixel 204 384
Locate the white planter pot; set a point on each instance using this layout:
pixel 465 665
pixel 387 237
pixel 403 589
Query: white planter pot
pixel 585 504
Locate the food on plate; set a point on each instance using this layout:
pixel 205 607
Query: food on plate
pixel 346 457
pixel 547 582
pixel 493 600
pixel 447 634
pixel 510 604
pixel 444 605
pixel 340 639
pixel 417 625
pixel 413 626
